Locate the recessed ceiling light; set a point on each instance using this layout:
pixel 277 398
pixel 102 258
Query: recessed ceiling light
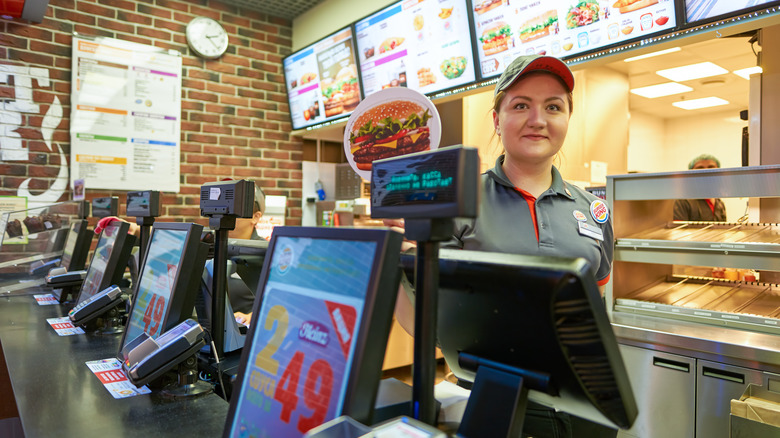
pixel 660 90
pixel 693 71
pixel 700 103
pixel 746 72
pixel 650 55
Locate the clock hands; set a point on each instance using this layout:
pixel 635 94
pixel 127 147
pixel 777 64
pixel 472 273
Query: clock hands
pixel 212 41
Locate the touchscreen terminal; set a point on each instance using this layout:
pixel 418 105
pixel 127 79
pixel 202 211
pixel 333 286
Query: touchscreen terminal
pixel 165 292
pixel 108 261
pixel 322 316
pixel 74 253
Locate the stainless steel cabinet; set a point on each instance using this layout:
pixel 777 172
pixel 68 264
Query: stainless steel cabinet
pixel 716 385
pixel 664 386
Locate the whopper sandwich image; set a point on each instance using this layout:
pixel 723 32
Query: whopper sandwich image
pixel 341 94
pixel 539 27
pixel 625 6
pixel 496 38
pixel 387 130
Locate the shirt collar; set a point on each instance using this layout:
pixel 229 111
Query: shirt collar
pixel 558 186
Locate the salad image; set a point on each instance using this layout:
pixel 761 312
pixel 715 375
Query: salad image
pixel 582 14
pixel 453 67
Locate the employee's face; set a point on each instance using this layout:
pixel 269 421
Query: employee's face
pixel 705 164
pixel 245 227
pixel 533 118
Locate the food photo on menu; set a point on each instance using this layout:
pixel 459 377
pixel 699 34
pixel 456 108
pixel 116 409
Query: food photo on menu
pixel 561 28
pixel 390 123
pixel 420 45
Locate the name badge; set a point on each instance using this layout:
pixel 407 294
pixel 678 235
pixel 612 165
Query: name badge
pixel 589 230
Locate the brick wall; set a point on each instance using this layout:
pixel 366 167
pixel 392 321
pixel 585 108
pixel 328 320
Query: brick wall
pixel 235 120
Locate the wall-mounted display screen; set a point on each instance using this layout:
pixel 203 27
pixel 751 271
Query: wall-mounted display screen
pixel 561 28
pixel 703 10
pixel 322 80
pixel 423 45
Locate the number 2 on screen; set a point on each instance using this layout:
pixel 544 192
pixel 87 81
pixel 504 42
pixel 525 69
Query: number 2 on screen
pixel 263 360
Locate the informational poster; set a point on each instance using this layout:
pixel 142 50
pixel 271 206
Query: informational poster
pixel 304 345
pixel 322 80
pixel 698 10
pixel 419 44
pixel 561 28
pixel 125 115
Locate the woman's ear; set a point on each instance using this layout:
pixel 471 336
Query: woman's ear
pixel 256 217
pixel 496 125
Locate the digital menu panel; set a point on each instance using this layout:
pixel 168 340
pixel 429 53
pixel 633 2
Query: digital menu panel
pixel 322 80
pixel 561 28
pixel 419 44
pixel 700 10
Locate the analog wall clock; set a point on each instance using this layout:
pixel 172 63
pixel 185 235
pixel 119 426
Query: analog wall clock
pixel 206 37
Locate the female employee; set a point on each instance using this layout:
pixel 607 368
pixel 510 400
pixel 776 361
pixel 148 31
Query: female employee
pixel 525 205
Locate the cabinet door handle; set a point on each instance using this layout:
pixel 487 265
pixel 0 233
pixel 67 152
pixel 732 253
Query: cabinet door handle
pixel 671 364
pixel 723 375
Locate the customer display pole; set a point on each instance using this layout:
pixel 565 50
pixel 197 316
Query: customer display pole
pixel 145 206
pixel 428 233
pixel 427 190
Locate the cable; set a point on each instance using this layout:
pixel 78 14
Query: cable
pixel 219 367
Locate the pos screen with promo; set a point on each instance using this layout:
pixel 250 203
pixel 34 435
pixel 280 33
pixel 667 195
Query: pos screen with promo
pixel 166 288
pixel 317 340
pixel 108 261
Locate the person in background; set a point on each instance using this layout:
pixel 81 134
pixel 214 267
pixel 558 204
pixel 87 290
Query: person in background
pixel 527 208
pixel 709 210
pixel 241 297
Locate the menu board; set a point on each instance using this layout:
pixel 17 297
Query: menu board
pixel 419 44
pixel 322 80
pixel 561 28
pixel 698 10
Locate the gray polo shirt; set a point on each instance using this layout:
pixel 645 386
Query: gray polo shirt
pixel 566 222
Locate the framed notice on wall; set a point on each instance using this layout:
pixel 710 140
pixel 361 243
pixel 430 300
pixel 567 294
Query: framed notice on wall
pixel 125 123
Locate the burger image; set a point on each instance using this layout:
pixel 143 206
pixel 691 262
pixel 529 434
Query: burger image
pixel 486 5
pixel 341 94
pixel 539 27
pixel 496 38
pixel 388 130
pixel 625 6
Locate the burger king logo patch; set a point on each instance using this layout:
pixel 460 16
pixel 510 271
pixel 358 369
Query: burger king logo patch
pixel 599 211
pixel 580 216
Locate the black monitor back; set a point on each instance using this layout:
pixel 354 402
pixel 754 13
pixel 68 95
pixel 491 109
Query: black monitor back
pixel 537 316
pixel 76 249
pixel 109 260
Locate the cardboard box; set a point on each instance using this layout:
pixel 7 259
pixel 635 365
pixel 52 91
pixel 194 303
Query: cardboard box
pixel 756 413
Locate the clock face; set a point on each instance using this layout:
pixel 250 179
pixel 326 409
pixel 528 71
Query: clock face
pixel 206 37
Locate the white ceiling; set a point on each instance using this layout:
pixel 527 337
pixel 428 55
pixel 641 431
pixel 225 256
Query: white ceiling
pixel 732 54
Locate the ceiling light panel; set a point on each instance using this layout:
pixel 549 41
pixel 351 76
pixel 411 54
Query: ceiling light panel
pixel 661 90
pixel 693 71
pixel 653 54
pixel 700 103
pixel 746 72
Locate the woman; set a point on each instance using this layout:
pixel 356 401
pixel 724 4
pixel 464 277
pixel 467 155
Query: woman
pixel 525 205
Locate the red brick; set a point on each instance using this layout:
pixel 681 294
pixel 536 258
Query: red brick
pixel 29 32
pixel 276 174
pixel 155 11
pixel 252 94
pixel 51 49
pixel 276 154
pixel 239 21
pixel 250 73
pixel 236 60
pixel 204 117
pixel 218 88
pixel 193 84
pixel 202 74
pixel 217 150
pixel 191 147
pixel 174 26
pixel 216 170
pixel 170 4
pixel 233 141
pixel 232 100
pixel 243 112
pixel 283 183
pixel 240 121
pixel 208 12
pixel 30 58
pixel 217 129
pixel 263 46
pixel 93 9
pixel 247 132
pixel 201 138
pixel 190 126
pixel 191 105
pixel 138 40
pixel 247 152
pixel 209 97
pixel 232 161
pixel 70 15
pixel 260 123
pixel 154 33
pixel 198 158
pixel 290 165
pixel 183 211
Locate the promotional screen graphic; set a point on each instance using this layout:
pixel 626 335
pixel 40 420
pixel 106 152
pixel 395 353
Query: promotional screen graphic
pixel 304 342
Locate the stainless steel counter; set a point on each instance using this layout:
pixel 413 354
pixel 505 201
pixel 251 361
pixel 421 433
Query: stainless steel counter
pixel 735 347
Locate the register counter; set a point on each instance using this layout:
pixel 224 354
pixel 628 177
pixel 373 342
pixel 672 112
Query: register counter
pixel 57 394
